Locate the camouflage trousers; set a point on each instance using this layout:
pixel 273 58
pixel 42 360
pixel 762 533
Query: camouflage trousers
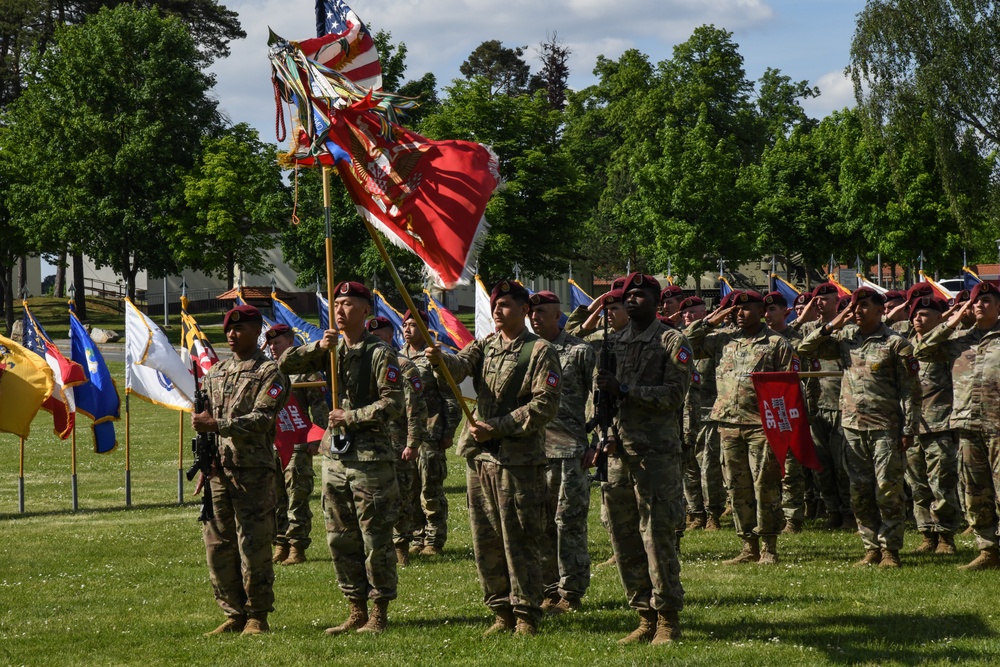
pixel 754 480
pixel 360 506
pixel 238 540
pixel 644 497
pixel 505 515
pixel 877 466
pixel 932 474
pixel 981 472
pixel 432 521
pixel 565 559
pixel 704 487
pixel 793 491
pixel 293 514
pixel 280 502
pixel 408 480
pixel 833 480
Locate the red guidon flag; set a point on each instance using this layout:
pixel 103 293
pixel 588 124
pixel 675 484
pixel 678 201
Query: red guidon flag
pixel 294 428
pixel 783 415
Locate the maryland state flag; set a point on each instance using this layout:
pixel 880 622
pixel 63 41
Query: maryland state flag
pixel 196 350
pixel 783 415
pixel 25 383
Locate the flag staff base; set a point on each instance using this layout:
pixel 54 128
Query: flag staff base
pixel 128 488
pixel 180 462
pixel 76 495
pixel 20 480
pixel 128 445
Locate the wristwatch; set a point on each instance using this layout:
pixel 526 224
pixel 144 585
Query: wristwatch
pixel 623 389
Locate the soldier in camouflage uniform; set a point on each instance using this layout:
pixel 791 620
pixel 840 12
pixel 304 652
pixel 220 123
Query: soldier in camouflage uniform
pixel 975 372
pixel 751 467
pixel 296 479
pixel 245 394
pixel 408 434
pixel 565 559
pixel 517 380
pixel 793 485
pixel 823 402
pixel 645 478
pixel 880 402
pixel 932 461
pixel 360 494
pixel 443 417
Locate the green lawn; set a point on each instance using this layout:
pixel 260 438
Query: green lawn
pixel 109 586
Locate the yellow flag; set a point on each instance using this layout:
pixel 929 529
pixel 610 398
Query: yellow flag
pixel 25 383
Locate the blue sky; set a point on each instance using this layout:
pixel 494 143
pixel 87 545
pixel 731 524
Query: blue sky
pixel 805 39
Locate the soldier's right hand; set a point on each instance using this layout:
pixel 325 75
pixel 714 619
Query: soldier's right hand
pixel 719 316
pixel 596 304
pixel 956 317
pixel 590 457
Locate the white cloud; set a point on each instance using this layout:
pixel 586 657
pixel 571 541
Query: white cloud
pixel 836 92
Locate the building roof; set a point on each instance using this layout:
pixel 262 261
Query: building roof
pixel 253 293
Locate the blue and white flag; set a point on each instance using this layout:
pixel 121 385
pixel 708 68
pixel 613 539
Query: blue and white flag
pixel 324 311
pixel 383 309
pixel 305 332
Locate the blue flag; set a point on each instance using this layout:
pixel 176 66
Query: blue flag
pixel 970 278
pixel 324 311
pixel 304 331
pixel 98 397
pixel 789 292
pixel 577 297
pixel 383 309
pixel 724 287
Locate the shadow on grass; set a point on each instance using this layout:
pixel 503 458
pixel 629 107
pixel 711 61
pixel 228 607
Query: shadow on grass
pixel 482 621
pixel 867 638
pixel 102 510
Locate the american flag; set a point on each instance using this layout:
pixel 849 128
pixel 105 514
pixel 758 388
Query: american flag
pixel 66 375
pixel 344 44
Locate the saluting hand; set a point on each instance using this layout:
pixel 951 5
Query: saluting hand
pixel 842 318
pixel 956 317
pixel 719 316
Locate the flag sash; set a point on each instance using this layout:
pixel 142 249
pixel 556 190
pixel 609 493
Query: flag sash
pixel 784 417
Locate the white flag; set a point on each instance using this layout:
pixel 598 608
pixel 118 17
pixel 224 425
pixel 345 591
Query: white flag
pixel 864 282
pixel 484 314
pixel 153 369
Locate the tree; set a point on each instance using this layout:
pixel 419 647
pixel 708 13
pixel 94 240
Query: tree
pixel 15 242
pixel 236 201
pixel 554 75
pixel 99 140
pixel 502 67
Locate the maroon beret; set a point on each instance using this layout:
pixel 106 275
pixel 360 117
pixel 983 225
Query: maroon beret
pixel 638 280
pixel 509 288
pixel 728 299
pixel 543 297
pixel 671 292
pixel 422 313
pixel 961 297
pixel 983 288
pixel 894 295
pixel 692 302
pixel 619 282
pixel 918 290
pixel 614 296
pixel 378 323
pixel 843 302
pixel 869 293
pixel 775 298
pixel 351 288
pixel 748 296
pixel 825 288
pixel 244 313
pixel 803 298
pixel 278 330
pixel 928 302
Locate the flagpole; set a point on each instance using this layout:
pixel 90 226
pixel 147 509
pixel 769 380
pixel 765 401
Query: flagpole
pixel 20 480
pixel 424 331
pixel 128 452
pixel 76 497
pixel 180 459
pixel 335 395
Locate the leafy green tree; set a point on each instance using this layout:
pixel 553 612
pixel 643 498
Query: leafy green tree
pixel 236 201
pixel 15 242
pixel 114 116
pixel 502 67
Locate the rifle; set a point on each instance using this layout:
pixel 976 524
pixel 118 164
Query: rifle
pixel 204 446
pixel 605 411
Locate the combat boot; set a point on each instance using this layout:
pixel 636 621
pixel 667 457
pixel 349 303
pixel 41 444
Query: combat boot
pixel 357 617
pixel 280 553
pixel 890 558
pixel 928 545
pixel 611 561
pixel 696 521
pixel 256 625
pixel 872 557
pixel 668 627
pixel 946 544
pixel 526 627
pixel 792 528
pixel 378 620
pixel 295 556
pixel 749 554
pixel 712 522
pixel 402 556
pixel 769 550
pixel 648 619
pixel 833 521
pixel 231 624
pixel 549 603
pixel 849 523
pixel 969 531
pixel 504 622
pixel 430 550
pixel 564 606
pixel 415 549
pixel 988 559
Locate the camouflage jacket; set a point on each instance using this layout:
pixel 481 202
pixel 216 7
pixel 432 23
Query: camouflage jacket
pixel 444 414
pixel 410 429
pixel 656 366
pixel 975 373
pixel 519 435
pixel 740 355
pixel 368 417
pixel 246 397
pixel 881 384
pixel 820 393
pixel 566 435
pixel 935 385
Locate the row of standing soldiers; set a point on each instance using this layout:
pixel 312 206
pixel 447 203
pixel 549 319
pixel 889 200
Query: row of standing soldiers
pixel 687 440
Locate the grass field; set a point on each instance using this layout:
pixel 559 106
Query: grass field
pixel 109 586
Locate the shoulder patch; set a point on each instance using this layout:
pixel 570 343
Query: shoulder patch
pixel 816 365
pixel 696 377
pixel 552 379
pixel 392 374
pixel 417 384
pixel 913 364
pixel 684 354
pixel 274 391
pixel 796 364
